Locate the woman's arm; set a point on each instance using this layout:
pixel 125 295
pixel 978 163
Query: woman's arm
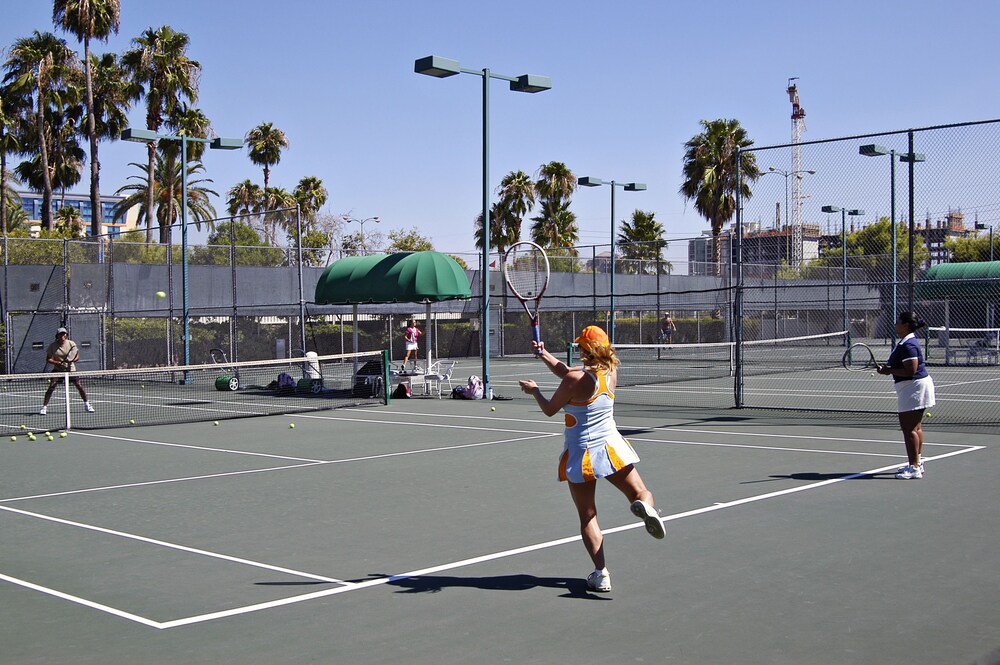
pixel 555 365
pixel 908 369
pixel 576 383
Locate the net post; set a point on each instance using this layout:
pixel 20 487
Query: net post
pixel 569 354
pixel 66 395
pixel 385 377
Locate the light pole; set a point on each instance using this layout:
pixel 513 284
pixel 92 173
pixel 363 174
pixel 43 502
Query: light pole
pixel 875 150
pixel 786 174
pixel 843 252
pixel 590 181
pixel 147 136
pixel 364 245
pixel 980 227
pixel 438 67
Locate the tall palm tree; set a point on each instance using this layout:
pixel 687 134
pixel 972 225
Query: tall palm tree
pixel 87 20
pixel 38 69
pixel 9 118
pixel 264 145
pixel 279 205
pixel 710 174
pixel 555 225
pixel 641 240
pixel 311 195
pixel 245 198
pixel 160 64
pixel 166 193
pixel 517 197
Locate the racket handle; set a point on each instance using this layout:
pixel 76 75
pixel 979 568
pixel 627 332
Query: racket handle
pixel 537 335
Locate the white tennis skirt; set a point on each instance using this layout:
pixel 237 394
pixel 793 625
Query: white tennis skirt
pixel 914 395
pixel 411 346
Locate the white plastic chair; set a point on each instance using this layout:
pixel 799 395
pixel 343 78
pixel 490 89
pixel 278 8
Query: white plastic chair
pixel 440 374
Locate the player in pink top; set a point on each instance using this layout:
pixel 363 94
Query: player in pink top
pixel 411 335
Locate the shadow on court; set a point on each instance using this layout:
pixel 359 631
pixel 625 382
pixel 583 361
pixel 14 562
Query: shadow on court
pixel 574 587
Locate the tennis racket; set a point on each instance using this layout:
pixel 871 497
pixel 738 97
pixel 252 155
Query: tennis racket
pixel 859 358
pixel 526 270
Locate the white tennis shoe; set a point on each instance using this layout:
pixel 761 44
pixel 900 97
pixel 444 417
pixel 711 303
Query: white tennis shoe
pixel 598 581
pixel 645 512
pixel 44 410
pixel 910 472
pixel 88 407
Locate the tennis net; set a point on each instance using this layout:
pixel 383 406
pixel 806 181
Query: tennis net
pixel 705 374
pixel 193 393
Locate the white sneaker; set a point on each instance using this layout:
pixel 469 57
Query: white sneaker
pixel 598 582
pixel 910 472
pixel 645 512
pixel 87 406
pixel 44 410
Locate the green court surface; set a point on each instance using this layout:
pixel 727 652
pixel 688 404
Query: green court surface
pixel 434 531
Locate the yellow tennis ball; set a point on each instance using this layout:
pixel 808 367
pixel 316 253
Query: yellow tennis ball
pixel 929 415
pixel 13 438
pixel 215 422
pixel 161 294
pixel 31 437
pixel 63 435
pixel 291 425
pixel 493 408
pixel 50 437
pixel 48 434
pixel 872 374
pixel 131 422
pixel 24 427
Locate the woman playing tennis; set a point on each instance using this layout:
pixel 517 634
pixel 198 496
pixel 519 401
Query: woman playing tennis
pixel 914 391
pixel 592 446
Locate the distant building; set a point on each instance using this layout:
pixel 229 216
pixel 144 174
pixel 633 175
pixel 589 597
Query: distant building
pixel 763 248
pixel 31 202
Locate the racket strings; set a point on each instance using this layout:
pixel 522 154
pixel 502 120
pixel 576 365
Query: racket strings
pixel 527 273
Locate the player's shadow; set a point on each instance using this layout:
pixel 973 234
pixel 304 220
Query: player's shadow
pixel 813 477
pixel 573 587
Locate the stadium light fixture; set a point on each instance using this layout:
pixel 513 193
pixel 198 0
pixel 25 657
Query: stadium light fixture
pixel 590 181
pixel 439 67
pixel 140 135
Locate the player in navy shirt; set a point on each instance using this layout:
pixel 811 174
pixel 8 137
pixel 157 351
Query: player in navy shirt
pixel 914 391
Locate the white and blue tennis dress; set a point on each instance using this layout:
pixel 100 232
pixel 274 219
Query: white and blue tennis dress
pixel 916 392
pixel 592 446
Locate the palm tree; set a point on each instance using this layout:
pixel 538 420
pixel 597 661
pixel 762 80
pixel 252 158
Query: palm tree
pixel 710 174
pixel 166 193
pixel 517 197
pixel 69 221
pixel 311 195
pixel 279 206
pixel 9 118
pixel 89 19
pixel 245 198
pixel 264 144
pixel 160 65
pixel 641 239
pixel 38 69
pixel 555 226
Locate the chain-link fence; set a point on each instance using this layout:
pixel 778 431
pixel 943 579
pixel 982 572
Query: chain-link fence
pixel 862 228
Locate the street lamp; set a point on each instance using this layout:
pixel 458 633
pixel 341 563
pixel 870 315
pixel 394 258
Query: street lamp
pixel 843 251
pixel 590 181
pixel 875 150
pixel 146 136
pixel 786 174
pixel 438 67
pixel 980 227
pixel 364 246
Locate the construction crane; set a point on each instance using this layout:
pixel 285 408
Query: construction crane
pixel 798 126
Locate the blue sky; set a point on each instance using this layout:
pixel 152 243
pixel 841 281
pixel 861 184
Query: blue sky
pixel 630 82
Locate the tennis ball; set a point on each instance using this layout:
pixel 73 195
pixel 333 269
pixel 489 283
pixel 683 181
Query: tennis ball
pixel 215 422
pixel 31 437
pixel 13 438
pixel 493 408
pixel 24 427
pixel 872 374
pixel 63 435
pixel 161 294
pixel 929 415
pixel 131 422
pixel 50 437
pixel 48 434
pixel 291 425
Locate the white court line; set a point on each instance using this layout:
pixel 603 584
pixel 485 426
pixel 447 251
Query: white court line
pixel 529 548
pixel 423 571
pixel 168 545
pixel 344 460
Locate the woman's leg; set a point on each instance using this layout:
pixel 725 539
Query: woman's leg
pixel 909 423
pixel 593 539
pixel 629 482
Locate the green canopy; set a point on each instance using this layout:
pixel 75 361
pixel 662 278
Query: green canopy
pixel 974 279
pixel 400 277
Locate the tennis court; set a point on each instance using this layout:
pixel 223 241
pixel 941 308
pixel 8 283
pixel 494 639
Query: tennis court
pixel 433 531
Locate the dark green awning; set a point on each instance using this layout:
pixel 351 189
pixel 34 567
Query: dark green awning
pixel 401 277
pixel 975 279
